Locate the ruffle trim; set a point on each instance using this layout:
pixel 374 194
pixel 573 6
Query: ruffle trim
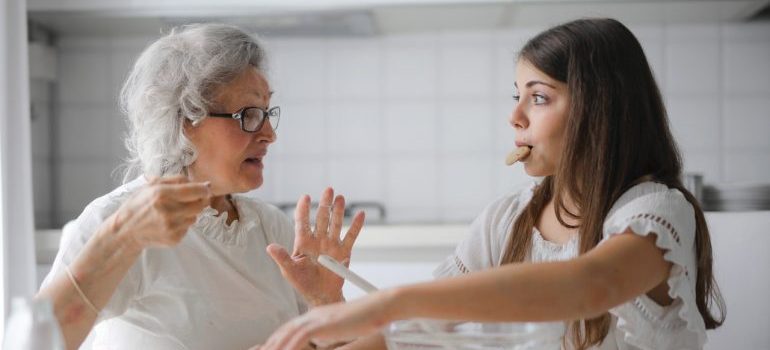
pixel 213 225
pixel 635 318
pixel 450 267
pixel 545 251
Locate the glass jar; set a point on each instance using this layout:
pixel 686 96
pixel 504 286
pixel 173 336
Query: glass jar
pixel 32 326
pixel 444 335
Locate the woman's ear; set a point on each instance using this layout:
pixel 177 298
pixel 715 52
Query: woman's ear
pixel 189 126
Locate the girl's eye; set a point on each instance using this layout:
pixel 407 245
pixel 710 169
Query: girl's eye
pixel 516 97
pixel 539 99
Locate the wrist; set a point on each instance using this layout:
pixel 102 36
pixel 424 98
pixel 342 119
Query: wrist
pixel 320 300
pixel 396 303
pixel 126 242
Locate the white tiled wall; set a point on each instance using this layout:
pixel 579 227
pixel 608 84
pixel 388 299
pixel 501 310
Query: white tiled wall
pixel 419 122
pixel 42 158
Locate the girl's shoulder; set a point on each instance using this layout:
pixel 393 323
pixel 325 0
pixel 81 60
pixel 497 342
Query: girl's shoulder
pixel 650 198
pixel 654 207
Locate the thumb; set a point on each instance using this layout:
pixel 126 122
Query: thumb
pixel 280 256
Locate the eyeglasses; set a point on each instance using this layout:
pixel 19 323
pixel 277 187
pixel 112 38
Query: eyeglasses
pixel 253 118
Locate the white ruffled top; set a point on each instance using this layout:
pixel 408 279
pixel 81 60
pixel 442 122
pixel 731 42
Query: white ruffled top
pixel 216 289
pixel 646 208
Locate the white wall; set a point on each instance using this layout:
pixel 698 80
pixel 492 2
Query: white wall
pixel 419 122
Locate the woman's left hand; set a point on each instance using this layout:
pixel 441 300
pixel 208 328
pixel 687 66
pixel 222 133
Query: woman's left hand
pixel 336 322
pixel 317 284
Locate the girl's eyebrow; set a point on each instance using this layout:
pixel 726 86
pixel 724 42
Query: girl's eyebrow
pixel 535 82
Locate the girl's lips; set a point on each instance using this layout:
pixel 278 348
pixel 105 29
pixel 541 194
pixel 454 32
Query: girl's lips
pixel 519 154
pixel 521 144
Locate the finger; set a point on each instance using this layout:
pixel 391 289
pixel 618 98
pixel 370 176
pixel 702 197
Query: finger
pixel 346 262
pixel 174 179
pixel 197 206
pixel 338 215
pixel 280 256
pixel 187 210
pixel 185 223
pixel 186 192
pixel 354 230
pixel 181 216
pixel 300 339
pixel 322 216
pixel 282 336
pixel 302 216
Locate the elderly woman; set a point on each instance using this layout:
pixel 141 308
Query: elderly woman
pixel 176 259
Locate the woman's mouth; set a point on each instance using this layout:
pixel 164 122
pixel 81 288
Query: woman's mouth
pixel 255 161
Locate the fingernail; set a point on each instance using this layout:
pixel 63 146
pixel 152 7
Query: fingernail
pixel 208 187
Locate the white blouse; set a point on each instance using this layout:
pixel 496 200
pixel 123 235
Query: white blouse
pixel 645 208
pixel 216 289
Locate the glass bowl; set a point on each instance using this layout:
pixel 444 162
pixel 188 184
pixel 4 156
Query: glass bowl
pixel 444 335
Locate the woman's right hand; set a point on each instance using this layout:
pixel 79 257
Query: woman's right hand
pixel 160 213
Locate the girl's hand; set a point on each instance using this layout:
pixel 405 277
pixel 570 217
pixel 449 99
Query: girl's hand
pixel 161 212
pixel 317 284
pixel 331 323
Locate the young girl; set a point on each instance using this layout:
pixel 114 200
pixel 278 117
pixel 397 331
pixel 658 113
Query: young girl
pixel 609 241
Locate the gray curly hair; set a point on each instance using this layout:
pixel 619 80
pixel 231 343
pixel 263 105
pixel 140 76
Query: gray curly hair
pixel 175 79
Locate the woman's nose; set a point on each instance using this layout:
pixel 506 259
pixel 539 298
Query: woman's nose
pixel 266 133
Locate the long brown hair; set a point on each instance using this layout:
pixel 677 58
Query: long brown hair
pixel 617 135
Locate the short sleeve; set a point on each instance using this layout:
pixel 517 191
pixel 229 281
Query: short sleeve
pixel 651 208
pixel 483 247
pixel 76 234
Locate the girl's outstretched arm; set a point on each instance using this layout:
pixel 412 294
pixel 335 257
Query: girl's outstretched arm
pixel 614 272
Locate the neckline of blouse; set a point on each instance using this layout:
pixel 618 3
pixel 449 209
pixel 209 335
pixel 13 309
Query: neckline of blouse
pixel 551 245
pixel 213 224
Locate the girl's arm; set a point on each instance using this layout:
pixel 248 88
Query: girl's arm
pixel 614 272
pixel 372 342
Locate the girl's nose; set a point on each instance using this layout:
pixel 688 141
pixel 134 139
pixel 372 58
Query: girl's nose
pixel 518 118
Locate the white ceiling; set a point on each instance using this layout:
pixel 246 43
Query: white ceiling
pixel 367 17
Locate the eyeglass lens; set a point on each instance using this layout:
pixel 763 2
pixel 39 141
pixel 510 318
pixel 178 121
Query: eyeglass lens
pixel 254 117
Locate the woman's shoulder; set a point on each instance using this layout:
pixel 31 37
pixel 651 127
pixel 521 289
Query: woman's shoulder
pixel 77 232
pixel 102 207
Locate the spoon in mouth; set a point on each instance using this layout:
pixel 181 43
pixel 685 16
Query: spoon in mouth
pixel 517 155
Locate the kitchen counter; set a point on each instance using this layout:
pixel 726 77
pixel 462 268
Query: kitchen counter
pixel 374 241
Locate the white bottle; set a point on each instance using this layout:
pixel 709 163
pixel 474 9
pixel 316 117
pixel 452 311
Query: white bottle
pixel 32 326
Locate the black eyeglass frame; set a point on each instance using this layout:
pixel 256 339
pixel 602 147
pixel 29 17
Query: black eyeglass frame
pixel 268 113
